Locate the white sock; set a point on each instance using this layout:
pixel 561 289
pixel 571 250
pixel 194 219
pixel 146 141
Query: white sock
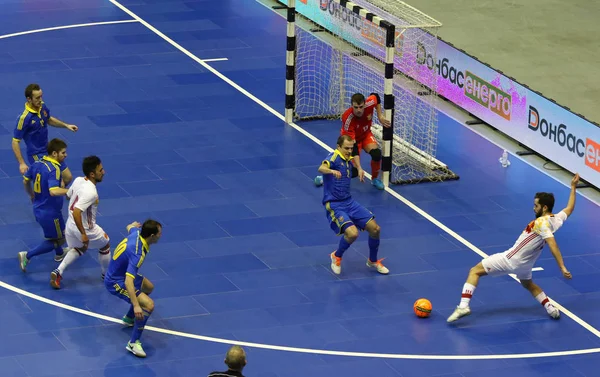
pixel 543 299
pixel 104 259
pixel 71 256
pixel 467 293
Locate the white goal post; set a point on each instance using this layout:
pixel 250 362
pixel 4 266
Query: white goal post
pixel 336 48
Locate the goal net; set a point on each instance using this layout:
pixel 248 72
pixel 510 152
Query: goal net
pixel 341 50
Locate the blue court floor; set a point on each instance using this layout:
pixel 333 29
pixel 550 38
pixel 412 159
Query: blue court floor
pixel 245 248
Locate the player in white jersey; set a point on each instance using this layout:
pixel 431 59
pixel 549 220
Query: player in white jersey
pixel 81 230
pixel 521 257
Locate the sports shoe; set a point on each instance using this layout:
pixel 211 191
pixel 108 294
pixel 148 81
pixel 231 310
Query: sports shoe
pixel 459 313
pixel 318 180
pixel 136 348
pixel 379 266
pixel 553 311
pixel 127 321
pixel 377 183
pixel 60 257
pixel 23 260
pixel 336 264
pixel 55 279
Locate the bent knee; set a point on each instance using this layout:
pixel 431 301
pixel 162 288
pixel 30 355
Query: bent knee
pixel 374 229
pixel 375 154
pixel 527 284
pixel 147 304
pixel 351 233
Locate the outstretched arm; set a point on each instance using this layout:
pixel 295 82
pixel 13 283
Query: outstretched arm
pixel 55 122
pixel 571 204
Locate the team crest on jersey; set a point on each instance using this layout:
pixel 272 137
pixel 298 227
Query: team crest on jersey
pixel 45 113
pixel 370 116
pixel 341 219
pixel 529 226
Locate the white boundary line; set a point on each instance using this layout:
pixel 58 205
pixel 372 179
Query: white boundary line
pixel 305 350
pixel 65 27
pixel 215 60
pixel 326 147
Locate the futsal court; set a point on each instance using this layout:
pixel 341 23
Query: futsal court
pixel 244 255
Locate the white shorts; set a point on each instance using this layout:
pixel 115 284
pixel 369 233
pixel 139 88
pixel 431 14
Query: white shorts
pixel 97 237
pixel 498 265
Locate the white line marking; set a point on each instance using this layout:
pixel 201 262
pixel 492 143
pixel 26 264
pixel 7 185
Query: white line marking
pixel 215 60
pixel 304 350
pixel 65 27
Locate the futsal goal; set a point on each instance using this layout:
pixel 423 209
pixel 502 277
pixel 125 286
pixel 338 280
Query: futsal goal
pixel 336 48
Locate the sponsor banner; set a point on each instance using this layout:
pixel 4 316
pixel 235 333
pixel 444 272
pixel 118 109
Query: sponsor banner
pixel 536 122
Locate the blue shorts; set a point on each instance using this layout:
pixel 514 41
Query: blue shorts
pixel 52 224
pixel 117 287
pixel 39 156
pixel 341 215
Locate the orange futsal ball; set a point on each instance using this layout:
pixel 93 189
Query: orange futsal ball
pixel 422 308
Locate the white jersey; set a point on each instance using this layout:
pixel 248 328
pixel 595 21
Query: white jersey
pixel 84 196
pixel 530 243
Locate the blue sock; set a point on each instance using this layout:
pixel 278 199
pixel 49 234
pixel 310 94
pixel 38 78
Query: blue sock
pixel 43 248
pixel 373 249
pixel 130 313
pixel 342 247
pixel 138 327
pixel 58 250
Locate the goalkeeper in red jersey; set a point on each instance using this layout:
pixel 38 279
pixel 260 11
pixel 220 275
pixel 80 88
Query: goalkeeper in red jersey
pixel 356 123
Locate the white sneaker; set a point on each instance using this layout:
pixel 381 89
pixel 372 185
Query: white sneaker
pixel 136 348
pixel 459 313
pixel 59 258
pixel 553 311
pixel 379 266
pixel 336 264
pixel 22 255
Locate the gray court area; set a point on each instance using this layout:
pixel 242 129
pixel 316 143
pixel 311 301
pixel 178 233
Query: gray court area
pixel 549 45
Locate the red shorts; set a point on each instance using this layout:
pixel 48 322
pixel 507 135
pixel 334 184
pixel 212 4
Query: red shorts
pixel 366 139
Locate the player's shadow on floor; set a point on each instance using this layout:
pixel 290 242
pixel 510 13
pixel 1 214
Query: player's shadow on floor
pixel 483 317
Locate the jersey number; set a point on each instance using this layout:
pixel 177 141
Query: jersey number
pixel 37 184
pixel 120 249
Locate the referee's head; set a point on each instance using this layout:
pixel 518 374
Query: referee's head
pixel 236 358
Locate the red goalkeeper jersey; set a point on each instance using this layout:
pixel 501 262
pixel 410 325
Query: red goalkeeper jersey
pixel 356 127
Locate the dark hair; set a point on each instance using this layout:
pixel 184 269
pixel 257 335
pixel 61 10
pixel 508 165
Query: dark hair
pixel 150 227
pixel 358 98
pixel 342 138
pixel 545 199
pixel 89 165
pixel 55 145
pixel 30 88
